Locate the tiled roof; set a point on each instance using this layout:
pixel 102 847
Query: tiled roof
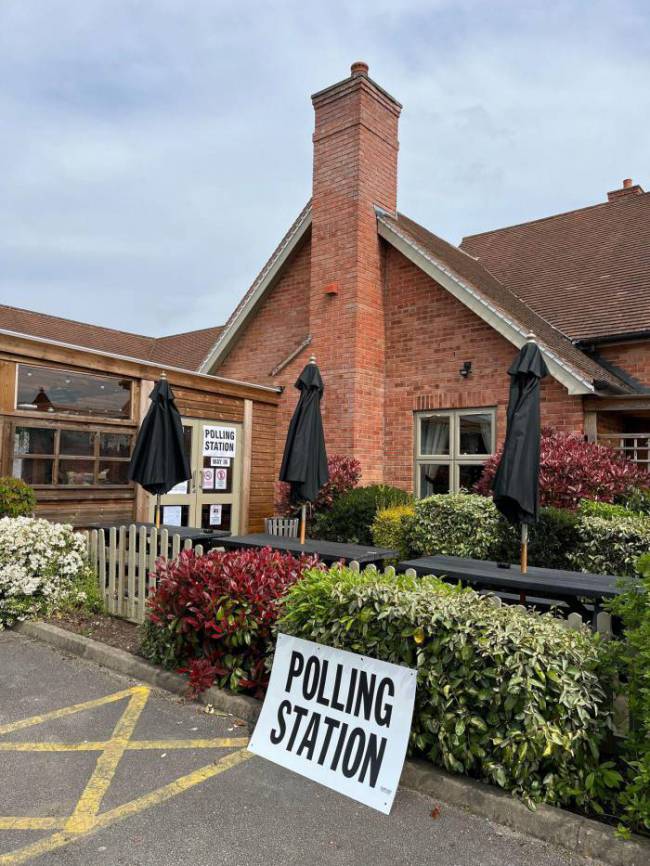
pixel 587 271
pixel 186 350
pixel 474 273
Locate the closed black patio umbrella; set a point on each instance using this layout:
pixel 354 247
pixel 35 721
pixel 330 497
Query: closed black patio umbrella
pixel 304 463
pixel 159 460
pixel 516 482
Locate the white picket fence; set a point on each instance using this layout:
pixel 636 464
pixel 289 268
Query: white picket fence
pixel 124 559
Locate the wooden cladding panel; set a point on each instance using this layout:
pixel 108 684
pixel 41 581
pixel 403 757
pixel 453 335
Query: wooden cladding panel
pixel 263 466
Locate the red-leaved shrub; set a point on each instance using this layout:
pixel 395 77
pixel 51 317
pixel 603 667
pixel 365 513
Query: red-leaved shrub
pixel 344 472
pixel 572 469
pixel 212 615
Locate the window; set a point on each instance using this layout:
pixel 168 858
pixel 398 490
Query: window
pixel 71 457
pixel 52 390
pixel 451 448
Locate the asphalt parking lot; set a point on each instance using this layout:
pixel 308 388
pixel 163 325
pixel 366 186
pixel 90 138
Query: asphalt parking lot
pixel 99 769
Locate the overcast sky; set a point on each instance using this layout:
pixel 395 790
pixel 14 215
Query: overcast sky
pixel 153 152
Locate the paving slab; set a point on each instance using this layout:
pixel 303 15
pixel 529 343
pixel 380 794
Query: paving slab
pixel 239 810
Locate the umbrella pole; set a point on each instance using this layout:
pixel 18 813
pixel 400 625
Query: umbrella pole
pixel 523 557
pixel 303 522
pixel 157 521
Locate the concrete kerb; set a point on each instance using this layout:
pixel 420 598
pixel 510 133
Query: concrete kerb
pixel 577 834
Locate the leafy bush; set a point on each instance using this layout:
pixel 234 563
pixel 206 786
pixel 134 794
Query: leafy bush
pixel 608 510
pixel 456 524
pixel 633 663
pixel 344 474
pixel 213 614
pixel 504 695
pixel 572 469
pixel 42 565
pixel 551 541
pixel 352 514
pixel 391 527
pixel 17 499
pixel 609 546
pixel 637 500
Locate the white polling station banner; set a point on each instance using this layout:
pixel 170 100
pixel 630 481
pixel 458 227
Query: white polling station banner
pixel 337 718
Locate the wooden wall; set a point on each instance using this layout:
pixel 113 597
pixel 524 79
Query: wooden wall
pixel 196 397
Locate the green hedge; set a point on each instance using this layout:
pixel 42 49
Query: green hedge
pixel 455 525
pixel 610 546
pixel 599 537
pixel 504 695
pixel 352 514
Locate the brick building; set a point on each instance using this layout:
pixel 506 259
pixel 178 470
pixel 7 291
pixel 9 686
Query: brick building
pixel 414 335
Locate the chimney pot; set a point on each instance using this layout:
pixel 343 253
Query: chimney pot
pixel 627 183
pixel 359 68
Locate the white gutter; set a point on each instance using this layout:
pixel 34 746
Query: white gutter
pixel 257 290
pixel 128 358
pixel 567 375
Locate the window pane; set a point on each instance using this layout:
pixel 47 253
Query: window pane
pixel 114 445
pixel 113 472
pixel 176 515
pixel 468 475
pixel 434 478
pixel 77 442
pixel 33 440
pixel 476 433
pixel 434 435
pixel 215 516
pixel 45 389
pixel 33 471
pixel 79 473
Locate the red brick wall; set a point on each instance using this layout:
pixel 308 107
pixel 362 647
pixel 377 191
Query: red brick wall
pixel 429 334
pixel 355 168
pixel 634 358
pixel 277 327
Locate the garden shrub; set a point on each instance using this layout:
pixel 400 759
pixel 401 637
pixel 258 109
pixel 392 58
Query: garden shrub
pixel 456 524
pixel 212 614
pixel 572 469
pixel 17 499
pixel 608 510
pixel 391 529
pixel 42 565
pixel 503 695
pixel 610 546
pixel 352 514
pixel 633 664
pixel 637 500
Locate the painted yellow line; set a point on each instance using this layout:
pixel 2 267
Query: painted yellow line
pixel 131 746
pixel 10 823
pixel 83 816
pixel 61 839
pixel 67 711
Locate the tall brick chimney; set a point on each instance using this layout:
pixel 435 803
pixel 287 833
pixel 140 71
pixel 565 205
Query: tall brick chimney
pixel 355 168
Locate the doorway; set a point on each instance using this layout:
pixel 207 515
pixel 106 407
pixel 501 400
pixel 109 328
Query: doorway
pixel 210 499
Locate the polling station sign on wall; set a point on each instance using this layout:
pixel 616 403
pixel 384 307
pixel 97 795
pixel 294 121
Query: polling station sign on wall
pixel 338 718
pixel 219 441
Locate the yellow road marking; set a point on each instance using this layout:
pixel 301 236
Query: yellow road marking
pixel 86 818
pixel 131 746
pixel 61 839
pixel 31 823
pixel 91 799
pixel 66 711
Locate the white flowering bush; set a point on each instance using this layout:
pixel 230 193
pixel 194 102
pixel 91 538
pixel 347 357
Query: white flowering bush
pixel 42 564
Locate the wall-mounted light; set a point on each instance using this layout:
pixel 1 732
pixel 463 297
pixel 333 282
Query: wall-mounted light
pixel 466 369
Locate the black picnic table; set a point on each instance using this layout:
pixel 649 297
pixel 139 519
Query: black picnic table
pixel 327 551
pixel 569 587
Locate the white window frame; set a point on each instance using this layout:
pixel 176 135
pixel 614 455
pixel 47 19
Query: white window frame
pixel 454 460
